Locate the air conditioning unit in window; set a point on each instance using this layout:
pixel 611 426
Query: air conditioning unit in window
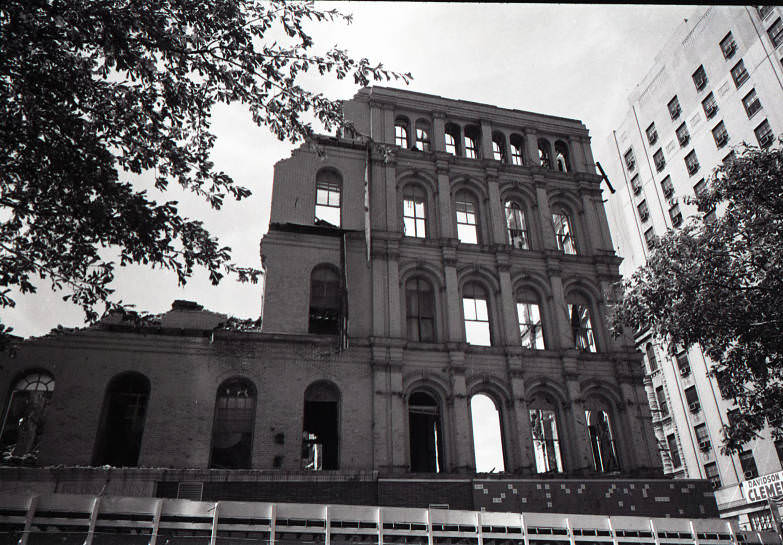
pixel 750 475
pixel 722 139
pixel 730 49
pixel 653 138
pixel 700 83
pixel 704 445
pixel 694 406
pixel 766 140
pixel 637 189
pixel 711 110
pixel 644 215
pixel 631 164
pixel 685 371
pixel 675 112
pixel 692 168
pixel 684 140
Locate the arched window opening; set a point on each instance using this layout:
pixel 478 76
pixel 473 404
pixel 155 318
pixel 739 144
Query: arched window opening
pixel 414 212
pixel 544 153
pixel 232 430
pixel 517 145
pixel 324 301
pixel 651 359
pixel 516 226
pixel 321 429
pixel 328 187
pixel 599 431
pixel 472 137
pixel 476 313
pixel 581 325
pixel 122 421
pixel 452 138
pixel 422 136
pixel 467 218
pixel 564 234
pixel 498 147
pixel 561 157
pixel 546 440
pixel 401 132
pixel 25 415
pixel 531 331
pixel 487 434
pixel 426 435
pixel 420 310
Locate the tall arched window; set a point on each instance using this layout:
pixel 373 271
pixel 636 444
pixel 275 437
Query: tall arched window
pixel 498 147
pixel 414 212
pixel 531 331
pixel 25 413
pixel 581 323
pixel 476 312
pixel 561 156
pixel 564 233
pixel 420 310
pixel 472 137
pixel 599 432
pixel 544 153
pixel 467 217
pixel 426 435
pixel 546 438
pixel 321 427
pixel 325 303
pixel 516 226
pixel 487 434
pixel 401 132
pixel 422 135
pixel 651 359
pixel 235 418
pixel 328 189
pixel 517 145
pixel 122 420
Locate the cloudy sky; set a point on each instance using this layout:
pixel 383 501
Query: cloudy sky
pixel 573 61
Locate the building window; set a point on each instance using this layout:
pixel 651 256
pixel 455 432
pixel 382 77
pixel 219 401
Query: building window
pixel 674 108
pixel 467 218
pixel 420 310
pixel 498 147
pixel 320 427
pixel 700 188
pixel 720 134
pixel 476 313
pixel 751 103
pixel 674 451
pixel 776 32
pixel 652 134
pixel 644 213
pixel 122 421
pixel 561 157
pixel 667 187
pixel 702 437
pixel 675 215
pixel 414 216
pixel 324 301
pixel 451 139
pixel 711 470
pixel 599 432
pixel 692 163
pixel 472 135
pixel 401 133
pixel 779 450
pixel 564 237
pixel 517 144
pixel 764 11
pixel 487 434
pixel 683 364
pixel 544 153
pixel 683 136
pixel 582 327
pixel 516 226
pixel 636 185
pixel 25 415
pixel 764 134
pixel 692 399
pixel 546 442
pixel 422 136
pixel 328 186
pixel 232 431
pixel 762 521
pixel 748 464
pixel 739 74
pixel 649 238
pixel 700 78
pixel 529 315
pixel 425 433
pixel 659 160
pixel 730 156
pixel 710 106
pixel 630 160
pixel 652 360
pixel 663 406
pixel 728 46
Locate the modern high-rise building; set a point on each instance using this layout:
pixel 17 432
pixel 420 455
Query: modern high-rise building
pixel 717 82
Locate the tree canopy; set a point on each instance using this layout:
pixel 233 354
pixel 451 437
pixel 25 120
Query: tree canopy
pixel 718 282
pixel 94 92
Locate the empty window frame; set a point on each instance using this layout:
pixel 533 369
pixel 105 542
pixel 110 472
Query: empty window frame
pixel 660 161
pixel 674 451
pixel 564 234
pixel 644 212
pixel 699 78
pixel 683 136
pixel 702 437
pixel 599 432
pixel 546 440
pixel 775 32
pixel 748 462
pixel 544 153
pixel 751 103
pixel 467 217
pixel 720 135
pixel 321 427
pixel 636 185
pixel 700 187
pixel 683 364
pixel 499 147
pixel 562 160
pixel 517 145
pixel 652 134
pixel 122 421
pixel 582 327
pixel 764 11
pixel 476 313
pixel 667 187
pixel 675 215
pixel 630 160
pixel 25 414
pixel 652 359
pixel 414 212
pixel 531 331
pixel 739 74
pixel 425 433
pixel 663 405
pixel 328 189
pixel 451 136
pixel 471 140
pixel 692 399
pixel 649 238
pixel 422 135
pixel 325 301
pixel 764 134
pixel 516 226
pixel 710 106
pixel 487 434
pixel 401 127
pixel 232 430
pixel 728 46
pixel 692 163
pixel 674 107
pixel 420 310
pixel 711 471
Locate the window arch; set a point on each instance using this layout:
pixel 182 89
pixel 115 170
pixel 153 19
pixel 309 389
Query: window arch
pixel 401 126
pixel 531 329
pixel 581 319
pixel 467 217
pixel 475 308
pixel 472 138
pixel 425 433
pixel 651 358
pixel 325 301
pixel 600 433
pixel 544 153
pixel 25 413
pixel 232 430
pixel 517 144
pixel 564 231
pixel 422 135
pixel 420 310
pixel 486 423
pixel 321 427
pixel 516 226
pixel 122 420
pixel 545 429
pixel 414 211
pixel 452 139
pixel 499 147
pixel 561 157
pixel 328 192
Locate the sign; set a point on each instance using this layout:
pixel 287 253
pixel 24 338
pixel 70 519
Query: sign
pixel 764 487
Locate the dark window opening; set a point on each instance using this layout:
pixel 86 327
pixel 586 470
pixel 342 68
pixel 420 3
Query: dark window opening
pixel 710 106
pixel 652 360
pixel 452 139
pixel 663 405
pixel 232 430
pixel 324 301
pixel 561 157
pixel 674 451
pixel 472 137
pixel 630 160
pixel 739 74
pixel 764 134
pixel 652 134
pixel 674 108
pixel 420 310
pixel 426 435
pixel 320 429
pixel 667 187
pixel 601 441
pixel 699 78
pixel 122 421
pixel 692 399
pixel 499 147
pixel 748 463
pixel 728 46
pixel 659 160
pixel 25 415
pixel 544 153
pixel 517 144
pixel 683 136
pixel 516 226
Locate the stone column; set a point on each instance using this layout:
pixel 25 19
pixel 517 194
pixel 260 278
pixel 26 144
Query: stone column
pixel 456 331
pixel 448 229
pixel 507 302
pixel 576 158
pixel 486 140
pixel 588 155
pixel 531 142
pixel 462 459
pixel 438 131
pixel 381 410
pixel 385 123
pixel 544 214
pixel 576 441
pixel 496 216
pixel 559 307
pixel 395 308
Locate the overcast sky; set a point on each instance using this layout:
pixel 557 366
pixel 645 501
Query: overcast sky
pixel 572 61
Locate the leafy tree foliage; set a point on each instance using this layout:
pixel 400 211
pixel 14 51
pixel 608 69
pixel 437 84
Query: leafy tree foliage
pixel 93 92
pixel 719 283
